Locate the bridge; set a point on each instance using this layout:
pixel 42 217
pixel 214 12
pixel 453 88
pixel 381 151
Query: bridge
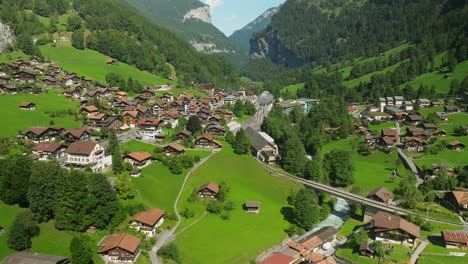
pixel 338 192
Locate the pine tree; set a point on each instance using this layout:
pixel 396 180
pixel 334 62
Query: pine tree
pixel 113 143
pixel 117 165
pixel 103 201
pixel 23 229
pixel 77 39
pixel 14 180
pixel 81 250
pixel 306 209
pixel 238 108
pixel 194 124
pixel 123 186
pixel 241 143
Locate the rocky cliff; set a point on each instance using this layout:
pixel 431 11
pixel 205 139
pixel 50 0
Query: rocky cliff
pixel 200 13
pixel 6 37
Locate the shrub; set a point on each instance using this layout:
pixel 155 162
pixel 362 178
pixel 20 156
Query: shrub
pixel 214 207
pixel 187 213
pixel 226 216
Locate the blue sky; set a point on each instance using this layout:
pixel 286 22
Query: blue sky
pixel 230 15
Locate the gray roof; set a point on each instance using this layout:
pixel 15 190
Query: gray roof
pixel 258 142
pixel 34 258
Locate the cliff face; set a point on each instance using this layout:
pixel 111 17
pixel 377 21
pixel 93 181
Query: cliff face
pixel 6 37
pixel 270 46
pixel 200 13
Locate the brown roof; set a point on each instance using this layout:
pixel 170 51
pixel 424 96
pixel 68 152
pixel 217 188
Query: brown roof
pixel 176 146
pixel 150 217
pixel 390 132
pixel 314 257
pixel 210 186
pixel 328 260
pixel 90 108
pixel 456 143
pixel 207 136
pixel 35 130
pixel 95 116
pixel 26 104
pixel 455 237
pixel 384 221
pixel 47 147
pixel 382 193
pixel 139 156
pixel 149 121
pixel 461 197
pixel 131 113
pixel 124 241
pixel 78 132
pixel 252 204
pixel 81 148
pixel 278 258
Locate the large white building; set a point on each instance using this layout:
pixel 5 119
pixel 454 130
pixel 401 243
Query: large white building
pixel 82 154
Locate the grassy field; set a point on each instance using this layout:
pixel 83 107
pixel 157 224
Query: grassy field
pixel 349 226
pixel 51 241
pixel 398 255
pixel 8 57
pixel 450 157
pixel 366 78
pixel 7 215
pixel 45 103
pixel 213 240
pixel 157 186
pixel 292 88
pixel 425 259
pixel 92 64
pixel 383 125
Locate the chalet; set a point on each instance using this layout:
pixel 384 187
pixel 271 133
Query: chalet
pixel 149 128
pixel 229 100
pixel 121 95
pixel 436 167
pixel 456 145
pixel 46 151
pixel 95 119
pixel 390 101
pixel 120 248
pixel 184 135
pixel 398 100
pixel 429 126
pixel 174 149
pixel 130 118
pixel 376 116
pixel 159 106
pixel 170 117
pixel 418 132
pixel 215 130
pixel 390 132
pixel 408 106
pixel 72 92
pixel 436 103
pixel 207 140
pixel 4 79
pixel 252 206
pixel 104 91
pixel 96 94
pixel 27 106
pixel 459 200
pixel 135 173
pixel 147 221
pixel 439 133
pixel 413 120
pixel 455 239
pixel 442 116
pixel 89 109
pixel 279 258
pixel 382 104
pixel 111 122
pixel 49 80
pixel 110 61
pixel 168 97
pixel 8 88
pixel 141 99
pixel 41 134
pixel 394 229
pixel 83 154
pixel 264 147
pixel 148 93
pixel 415 144
pixel 210 190
pixel 139 159
pixel 366 250
pixel 123 104
pixel 424 102
pixel 23 76
pixel 381 195
pixel 451 109
pixel 77 134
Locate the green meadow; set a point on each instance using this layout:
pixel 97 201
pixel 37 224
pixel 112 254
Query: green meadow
pixel 47 103
pixel 93 64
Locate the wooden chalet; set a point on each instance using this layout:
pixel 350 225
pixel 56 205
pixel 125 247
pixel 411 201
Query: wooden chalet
pixel 41 134
pixel 24 76
pixel 207 140
pixel 139 159
pixel 216 130
pixel 414 144
pixel 130 118
pixel 457 240
pixel 366 250
pixel 394 229
pixel 451 109
pixel 27 106
pixel 210 190
pixel 77 134
pixel 252 207
pixel 8 88
pixel 147 221
pixel 89 109
pixel 174 149
pixel 456 145
pixel 47 150
pixel 459 200
pixel 120 248
pixel 184 135
pixel 413 120
pixel 381 194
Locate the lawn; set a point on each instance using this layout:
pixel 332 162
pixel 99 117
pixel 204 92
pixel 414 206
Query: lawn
pixel 441 259
pixel 242 119
pixel 8 57
pixel 7 215
pixel 349 226
pixel 239 240
pixel 51 241
pixel 450 157
pixel 51 101
pixel 382 125
pixel 92 64
pixel 292 88
pixel 399 254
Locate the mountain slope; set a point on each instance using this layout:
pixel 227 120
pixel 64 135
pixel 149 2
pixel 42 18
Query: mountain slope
pixel 305 32
pixel 243 35
pixel 190 20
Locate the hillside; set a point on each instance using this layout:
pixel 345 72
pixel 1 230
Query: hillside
pixel 113 29
pixel 243 35
pixel 191 20
pixel 315 32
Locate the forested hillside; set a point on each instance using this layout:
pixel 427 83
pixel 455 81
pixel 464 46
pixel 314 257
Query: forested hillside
pixel 114 29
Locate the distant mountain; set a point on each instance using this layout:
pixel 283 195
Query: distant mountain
pixel 191 20
pixel 243 35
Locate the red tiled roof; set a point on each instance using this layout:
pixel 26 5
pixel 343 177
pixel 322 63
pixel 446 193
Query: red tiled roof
pixel 81 148
pixel 150 217
pixel 47 147
pixel 139 156
pixel 278 258
pixel 455 237
pixel 124 241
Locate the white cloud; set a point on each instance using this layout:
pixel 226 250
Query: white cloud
pixel 213 4
pixel 231 18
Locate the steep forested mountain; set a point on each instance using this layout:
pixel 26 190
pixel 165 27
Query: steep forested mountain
pixel 114 29
pixel 191 20
pixel 314 32
pixel 243 35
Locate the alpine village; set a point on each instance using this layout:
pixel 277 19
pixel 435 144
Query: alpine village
pixel 170 132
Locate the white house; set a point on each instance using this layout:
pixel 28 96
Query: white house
pixel 147 221
pixel 82 154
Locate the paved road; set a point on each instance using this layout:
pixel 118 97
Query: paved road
pixel 338 192
pixel 409 161
pixel 169 235
pixel 418 251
